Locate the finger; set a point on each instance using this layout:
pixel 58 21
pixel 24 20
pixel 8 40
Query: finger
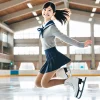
pixel 88 41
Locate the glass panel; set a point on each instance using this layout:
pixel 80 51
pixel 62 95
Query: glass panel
pixel 79 29
pixel 62 49
pixel 62 27
pixel 78 50
pixel 96 30
pixel 27 34
pixel 26 50
pixel 27 66
pixel 97 49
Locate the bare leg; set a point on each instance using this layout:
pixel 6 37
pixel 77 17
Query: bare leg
pixel 48 82
pixel 38 80
pixel 44 80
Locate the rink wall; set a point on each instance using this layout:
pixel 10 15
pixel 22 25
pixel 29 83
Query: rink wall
pixel 8 73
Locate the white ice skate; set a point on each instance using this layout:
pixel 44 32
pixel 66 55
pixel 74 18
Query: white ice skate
pixel 63 72
pixel 74 82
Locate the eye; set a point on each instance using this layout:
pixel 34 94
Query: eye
pixel 44 9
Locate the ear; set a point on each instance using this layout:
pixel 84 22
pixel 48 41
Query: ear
pixel 54 13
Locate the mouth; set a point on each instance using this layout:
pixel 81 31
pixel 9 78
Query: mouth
pixel 46 15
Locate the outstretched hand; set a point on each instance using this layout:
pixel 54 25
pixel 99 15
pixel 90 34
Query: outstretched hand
pixel 87 43
pixel 69 11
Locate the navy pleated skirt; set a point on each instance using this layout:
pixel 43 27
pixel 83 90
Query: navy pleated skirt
pixel 54 60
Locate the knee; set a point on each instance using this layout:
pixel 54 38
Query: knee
pixel 38 83
pixel 44 84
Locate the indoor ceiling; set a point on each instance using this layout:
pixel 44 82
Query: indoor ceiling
pixel 13 11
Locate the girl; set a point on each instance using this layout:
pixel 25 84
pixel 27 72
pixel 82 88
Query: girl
pixel 54 59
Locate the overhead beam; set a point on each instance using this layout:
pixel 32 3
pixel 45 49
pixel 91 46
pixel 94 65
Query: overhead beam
pixel 4 26
pixel 23 12
pixel 26 11
pixel 32 22
pixel 88 3
pixel 29 23
pixel 20 13
pixel 78 12
pixel 11 3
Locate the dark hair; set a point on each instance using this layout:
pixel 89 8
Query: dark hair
pixel 60 15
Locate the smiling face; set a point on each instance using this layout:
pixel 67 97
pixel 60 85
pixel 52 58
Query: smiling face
pixel 47 13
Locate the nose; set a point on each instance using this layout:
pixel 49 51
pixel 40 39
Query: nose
pixel 46 11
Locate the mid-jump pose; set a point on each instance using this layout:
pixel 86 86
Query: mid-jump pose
pixel 55 59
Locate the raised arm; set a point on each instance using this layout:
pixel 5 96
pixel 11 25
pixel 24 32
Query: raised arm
pixel 65 38
pixel 55 32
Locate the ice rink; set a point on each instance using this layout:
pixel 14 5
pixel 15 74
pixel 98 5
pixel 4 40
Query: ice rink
pixel 23 88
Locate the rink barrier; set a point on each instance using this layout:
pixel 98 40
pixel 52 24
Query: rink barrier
pixel 8 73
pixel 14 72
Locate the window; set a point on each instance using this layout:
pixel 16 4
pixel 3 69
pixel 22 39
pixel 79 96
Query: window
pixel 26 50
pixel 97 49
pixel 27 66
pixel 78 50
pixel 79 29
pixel 62 49
pixel 27 34
pixel 96 30
pixel 62 27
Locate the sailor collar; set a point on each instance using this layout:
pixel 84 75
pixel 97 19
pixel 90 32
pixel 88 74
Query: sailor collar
pixel 41 29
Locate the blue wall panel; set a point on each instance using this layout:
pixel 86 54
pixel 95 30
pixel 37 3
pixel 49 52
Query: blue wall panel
pixel 14 72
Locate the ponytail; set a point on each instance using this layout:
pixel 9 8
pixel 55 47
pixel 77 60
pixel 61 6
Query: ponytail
pixel 62 16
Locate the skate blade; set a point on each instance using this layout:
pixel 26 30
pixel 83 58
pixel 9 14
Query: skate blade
pixel 80 92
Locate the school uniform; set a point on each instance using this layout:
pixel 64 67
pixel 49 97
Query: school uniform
pixel 54 59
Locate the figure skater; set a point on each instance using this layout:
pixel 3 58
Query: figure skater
pixel 55 59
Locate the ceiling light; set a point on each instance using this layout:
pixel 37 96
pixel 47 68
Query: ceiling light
pixel 92 14
pixel 97 1
pixel 37 18
pixel 29 5
pixel 90 19
pixel 34 13
pixel 94 9
pixel 40 22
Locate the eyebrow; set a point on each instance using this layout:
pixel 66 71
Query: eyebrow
pixel 48 9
